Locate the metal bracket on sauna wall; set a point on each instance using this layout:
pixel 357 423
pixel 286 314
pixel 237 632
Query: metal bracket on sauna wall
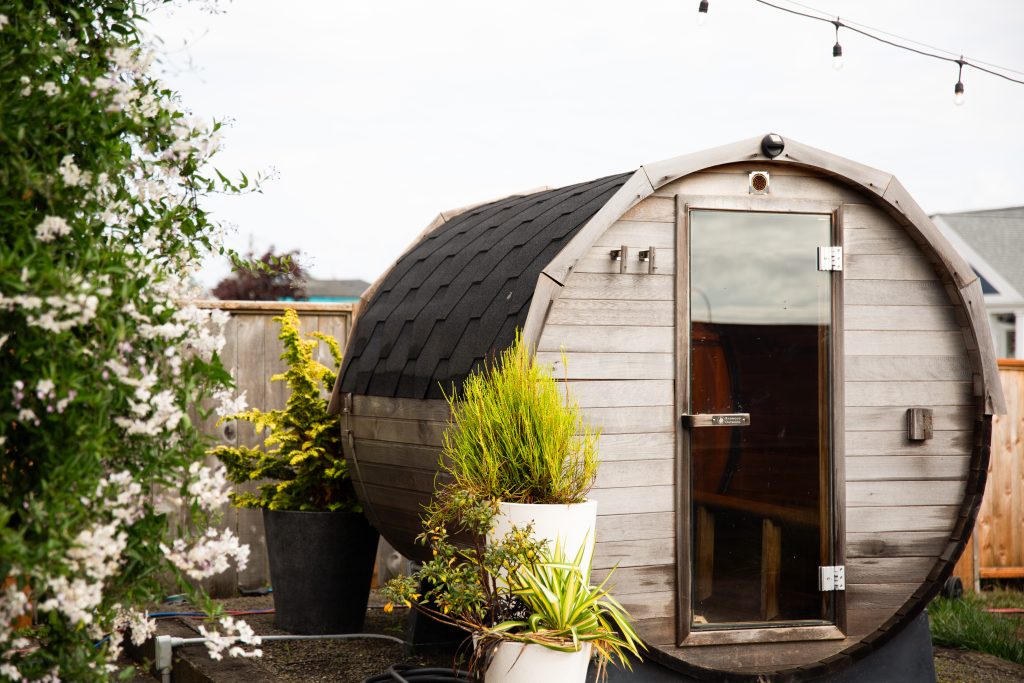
pixel 648 257
pixel 622 256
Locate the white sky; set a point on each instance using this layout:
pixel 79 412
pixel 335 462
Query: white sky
pixel 378 115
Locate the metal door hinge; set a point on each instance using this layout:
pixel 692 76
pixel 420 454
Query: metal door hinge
pixel 830 258
pixel 832 578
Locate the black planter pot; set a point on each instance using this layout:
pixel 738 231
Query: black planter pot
pixel 320 569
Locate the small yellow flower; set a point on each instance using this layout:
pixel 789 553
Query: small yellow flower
pixel 389 608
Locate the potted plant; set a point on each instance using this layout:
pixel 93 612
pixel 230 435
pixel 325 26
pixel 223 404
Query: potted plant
pixel 320 546
pixel 517 437
pixel 533 615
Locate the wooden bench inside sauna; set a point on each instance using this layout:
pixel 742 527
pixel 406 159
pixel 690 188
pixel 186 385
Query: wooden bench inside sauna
pixel 790 367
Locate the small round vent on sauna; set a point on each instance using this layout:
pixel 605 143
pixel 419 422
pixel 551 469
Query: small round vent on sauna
pixel 759 182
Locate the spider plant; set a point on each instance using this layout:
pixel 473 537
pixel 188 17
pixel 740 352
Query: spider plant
pixel 566 611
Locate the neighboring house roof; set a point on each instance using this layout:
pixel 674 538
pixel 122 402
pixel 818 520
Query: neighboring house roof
pixel 349 289
pixel 992 241
pixel 461 292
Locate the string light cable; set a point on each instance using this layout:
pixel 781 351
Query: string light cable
pixel 889 39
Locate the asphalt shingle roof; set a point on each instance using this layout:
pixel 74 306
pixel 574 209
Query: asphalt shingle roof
pixel 998 237
pixel 458 295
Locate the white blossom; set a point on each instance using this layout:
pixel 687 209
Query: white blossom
pixel 52 227
pixel 234 631
pixel 228 403
pixel 209 555
pixel 70 173
pixel 208 486
pixel 3 21
pixel 50 88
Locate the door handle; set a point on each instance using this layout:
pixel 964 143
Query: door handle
pixel 716 420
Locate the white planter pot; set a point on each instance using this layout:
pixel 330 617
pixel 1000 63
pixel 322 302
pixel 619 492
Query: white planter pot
pixel 528 663
pixel 573 525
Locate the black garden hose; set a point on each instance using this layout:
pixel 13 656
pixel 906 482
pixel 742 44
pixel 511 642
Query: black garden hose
pixel 405 673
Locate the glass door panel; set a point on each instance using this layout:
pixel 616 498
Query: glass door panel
pixel 760 443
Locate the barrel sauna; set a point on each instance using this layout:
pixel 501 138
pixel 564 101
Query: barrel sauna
pixel 790 367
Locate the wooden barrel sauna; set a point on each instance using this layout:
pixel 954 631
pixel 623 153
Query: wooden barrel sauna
pixel 793 378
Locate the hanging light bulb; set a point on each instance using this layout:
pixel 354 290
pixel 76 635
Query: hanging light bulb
pixel 702 13
pixel 837 56
pixel 958 89
pixel 837 50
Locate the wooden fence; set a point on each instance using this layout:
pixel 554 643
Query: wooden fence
pixel 996 548
pixel 252 354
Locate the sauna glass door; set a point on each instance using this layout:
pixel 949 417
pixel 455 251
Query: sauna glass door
pixel 758 419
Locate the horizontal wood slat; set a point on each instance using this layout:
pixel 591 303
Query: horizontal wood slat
pixel 612 312
pixel 610 365
pixel 607 339
pixel 400 476
pixel 896 544
pixel 621 501
pixel 653 446
pixel 882 570
pixel 625 473
pixel 908 368
pixel 900 318
pixel 901 518
pixel 903 343
pixel 888 468
pixel 894 293
pixel 613 393
pixel 619 286
pixel 648 605
pixel 631 420
pixel 403 408
pixel 658 234
pixel 401 431
pixel 638 581
pixel 887 267
pixel 896 443
pixel 608 554
pixel 390 453
pixel 877 242
pixel 635 527
pixel 908 394
pixel 906 493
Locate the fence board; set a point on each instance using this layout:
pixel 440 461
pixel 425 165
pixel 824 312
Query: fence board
pixel 996 549
pixel 252 354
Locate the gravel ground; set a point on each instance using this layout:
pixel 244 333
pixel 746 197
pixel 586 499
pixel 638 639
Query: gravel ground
pixel 968 666
pixel 352 661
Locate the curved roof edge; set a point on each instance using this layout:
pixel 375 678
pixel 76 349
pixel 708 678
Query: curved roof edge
pixel 884 186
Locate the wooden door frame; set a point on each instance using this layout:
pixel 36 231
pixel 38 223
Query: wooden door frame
pixel 836 493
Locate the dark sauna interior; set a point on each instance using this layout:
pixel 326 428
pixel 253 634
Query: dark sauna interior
pixel 757 488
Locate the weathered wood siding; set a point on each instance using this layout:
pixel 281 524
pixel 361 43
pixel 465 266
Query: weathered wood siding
pixel 252 354
pixel 996 550
pixel 904 346
pixel 393 446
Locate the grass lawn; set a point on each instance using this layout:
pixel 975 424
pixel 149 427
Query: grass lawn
pixel 966 624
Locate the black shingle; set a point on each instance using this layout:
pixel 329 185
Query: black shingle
pixel 459 295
